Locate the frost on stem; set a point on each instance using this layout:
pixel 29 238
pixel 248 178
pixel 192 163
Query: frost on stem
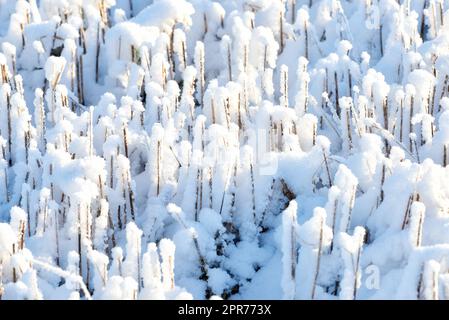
pixel 124 191
pixel 133 264
pixel 100 263
pixel 284 86
pixel 156 159
pixel 18 222
pixel 315 237
pixel 417 215
pixel 10 52
pixel 39 118
pixel 302 24
pixel 430 281
pixel 341 199
pixel 54 67
pixel 227 55
pixel 102 224
pixel 3 173
pixel 151 273
pixel 199 60
pixel 264 49
pixel 351 251
pixel 187 104
pixel 346 125
pixel 289 250
pixel 246 200
pixel 303 79
pixel 180 48
pixel 167 250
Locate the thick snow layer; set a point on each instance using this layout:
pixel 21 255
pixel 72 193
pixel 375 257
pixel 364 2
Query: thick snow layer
pixel 244 149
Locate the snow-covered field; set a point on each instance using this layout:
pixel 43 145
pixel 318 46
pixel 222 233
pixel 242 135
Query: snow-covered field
pixel 235 149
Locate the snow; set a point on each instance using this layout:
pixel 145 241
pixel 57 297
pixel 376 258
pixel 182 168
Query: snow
pixel 289 249
pixel 53 69
pixel 199 149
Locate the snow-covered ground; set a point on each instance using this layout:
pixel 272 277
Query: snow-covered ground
pixel 235 149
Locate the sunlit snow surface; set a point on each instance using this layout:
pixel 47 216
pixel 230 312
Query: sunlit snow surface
pixel 238 149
